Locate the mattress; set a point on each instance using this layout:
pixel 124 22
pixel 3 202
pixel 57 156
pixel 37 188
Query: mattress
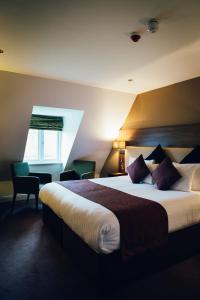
pixel 99 227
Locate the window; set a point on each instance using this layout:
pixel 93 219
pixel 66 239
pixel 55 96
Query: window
pixel 43 146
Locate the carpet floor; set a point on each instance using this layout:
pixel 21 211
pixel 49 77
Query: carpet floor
pixel 34 266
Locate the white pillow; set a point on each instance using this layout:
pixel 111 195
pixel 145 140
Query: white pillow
pixel 149 179
pixel 132 159
pixel 196 177
pixel 185 182
pixel 149 161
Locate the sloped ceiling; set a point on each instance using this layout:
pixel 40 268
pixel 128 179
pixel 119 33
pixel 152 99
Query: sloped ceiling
pixel 88 41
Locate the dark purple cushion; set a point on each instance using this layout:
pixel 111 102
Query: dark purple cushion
pixel 193 157
pixel 165 175
pixel 158 154
pixel 138 170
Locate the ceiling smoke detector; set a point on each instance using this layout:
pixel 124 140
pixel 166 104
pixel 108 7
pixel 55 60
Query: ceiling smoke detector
pixel 152 25
pixel 135 37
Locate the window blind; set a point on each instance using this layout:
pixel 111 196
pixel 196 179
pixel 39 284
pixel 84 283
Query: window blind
pixel 46 122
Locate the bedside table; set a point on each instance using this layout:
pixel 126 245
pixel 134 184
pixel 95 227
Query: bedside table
pixel 116 174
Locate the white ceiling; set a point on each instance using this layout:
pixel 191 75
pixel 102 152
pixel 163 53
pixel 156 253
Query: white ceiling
pixel 88 41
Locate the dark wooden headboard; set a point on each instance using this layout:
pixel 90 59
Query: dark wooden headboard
pixel 167 136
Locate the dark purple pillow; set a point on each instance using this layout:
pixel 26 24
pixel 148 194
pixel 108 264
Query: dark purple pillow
pixel 138 170
pixel 158 154
pixel 165 175
pixel 193 157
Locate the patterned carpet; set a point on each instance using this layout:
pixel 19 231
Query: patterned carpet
pixel 34 266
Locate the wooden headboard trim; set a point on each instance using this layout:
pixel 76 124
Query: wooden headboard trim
pixel 167 136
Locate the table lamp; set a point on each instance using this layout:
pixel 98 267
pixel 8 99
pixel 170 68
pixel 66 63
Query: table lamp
pixel 121 146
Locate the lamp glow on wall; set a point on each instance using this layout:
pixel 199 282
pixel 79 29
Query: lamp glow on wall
pixel 121 146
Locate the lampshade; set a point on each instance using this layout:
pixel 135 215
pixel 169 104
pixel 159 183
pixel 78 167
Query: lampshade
pixel 119 145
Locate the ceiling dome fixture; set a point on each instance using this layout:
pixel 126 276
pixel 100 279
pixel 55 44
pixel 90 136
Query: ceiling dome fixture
pixel 152 25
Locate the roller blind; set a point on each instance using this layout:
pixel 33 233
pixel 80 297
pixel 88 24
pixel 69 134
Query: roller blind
pixel 46 122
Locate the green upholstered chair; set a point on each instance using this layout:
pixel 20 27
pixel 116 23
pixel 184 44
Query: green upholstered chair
pixel 25 182
pixel 79 169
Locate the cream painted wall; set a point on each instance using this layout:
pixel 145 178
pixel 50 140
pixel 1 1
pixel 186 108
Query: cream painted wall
pixel 104 113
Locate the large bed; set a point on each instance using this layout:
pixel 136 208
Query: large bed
pixel 90 232
pixel 99 227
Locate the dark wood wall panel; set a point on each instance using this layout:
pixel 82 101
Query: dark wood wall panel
pixel 167 136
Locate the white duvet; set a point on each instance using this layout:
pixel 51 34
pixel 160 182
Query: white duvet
pixel 99 227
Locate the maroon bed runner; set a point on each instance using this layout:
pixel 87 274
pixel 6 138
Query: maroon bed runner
pixel 143 222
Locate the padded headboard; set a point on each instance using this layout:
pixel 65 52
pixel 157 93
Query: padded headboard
pixel 177 140
pixel 176 154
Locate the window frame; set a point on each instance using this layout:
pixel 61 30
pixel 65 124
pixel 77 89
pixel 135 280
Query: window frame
pixel 41 159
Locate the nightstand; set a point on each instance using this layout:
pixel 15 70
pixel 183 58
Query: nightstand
pixel 116 174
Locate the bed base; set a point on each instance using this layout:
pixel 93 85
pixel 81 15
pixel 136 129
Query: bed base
pixel 181 245
pixel 53 223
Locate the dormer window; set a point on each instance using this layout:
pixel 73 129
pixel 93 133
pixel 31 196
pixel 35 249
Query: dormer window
pixel 44 140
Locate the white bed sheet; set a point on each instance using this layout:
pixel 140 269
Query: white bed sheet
pixel 99 227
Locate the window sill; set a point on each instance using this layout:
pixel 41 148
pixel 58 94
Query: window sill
pixel 45 163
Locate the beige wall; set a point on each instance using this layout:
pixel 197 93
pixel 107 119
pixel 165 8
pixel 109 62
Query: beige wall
pixel 172 105
pixel 104 113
